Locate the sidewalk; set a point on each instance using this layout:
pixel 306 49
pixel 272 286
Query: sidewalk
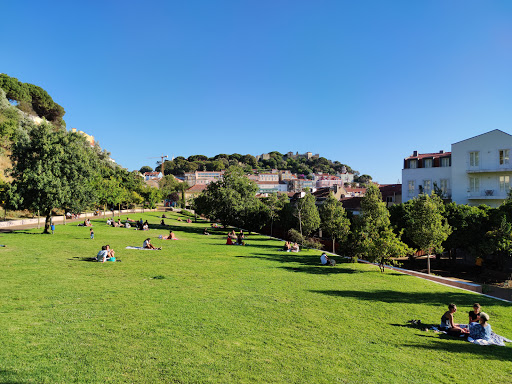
pixel 38 222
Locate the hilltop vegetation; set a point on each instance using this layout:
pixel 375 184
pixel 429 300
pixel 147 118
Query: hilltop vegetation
pixel 298 165
pixel 32 100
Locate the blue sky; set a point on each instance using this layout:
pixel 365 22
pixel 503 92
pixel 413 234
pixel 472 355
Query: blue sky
pixel 361 82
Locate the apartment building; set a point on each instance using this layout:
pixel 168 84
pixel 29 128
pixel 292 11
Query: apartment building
pixel 476 171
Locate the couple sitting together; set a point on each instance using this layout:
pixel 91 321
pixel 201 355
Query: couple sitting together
pixel 478 327
pixel 106 254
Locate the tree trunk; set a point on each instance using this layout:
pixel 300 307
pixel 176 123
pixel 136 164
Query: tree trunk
pixel 47 222
pixel 271 223
pixel 333 245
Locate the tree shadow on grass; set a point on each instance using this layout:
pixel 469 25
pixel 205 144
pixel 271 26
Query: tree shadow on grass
pixel 446 343
pixel 431 298
pixel 5 377
pixel 308 263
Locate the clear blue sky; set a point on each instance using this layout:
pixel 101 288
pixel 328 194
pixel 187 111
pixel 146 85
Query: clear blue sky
pixel 361 82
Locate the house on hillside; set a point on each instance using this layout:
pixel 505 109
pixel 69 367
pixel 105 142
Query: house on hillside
pixel 152 176
pixel 391 194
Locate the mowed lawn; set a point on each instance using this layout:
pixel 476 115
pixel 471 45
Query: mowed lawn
pixel 202 312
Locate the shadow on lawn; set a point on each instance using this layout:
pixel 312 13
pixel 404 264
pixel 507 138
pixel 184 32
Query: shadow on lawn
pixel 389 296
pixel 449 344
pixel 309 263
pixel 5 377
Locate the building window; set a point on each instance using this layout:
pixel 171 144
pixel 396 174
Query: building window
pixel 504 156
pixel 504 184
pixel 427 187
pixel 445 162
pixel 413 163
pixel 411 187
pixel 427 163
pixel 474 159
pixel 444 185
pixel 474 184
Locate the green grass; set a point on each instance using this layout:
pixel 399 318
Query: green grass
pixel 202 312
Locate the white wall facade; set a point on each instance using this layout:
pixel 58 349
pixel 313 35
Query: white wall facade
pixel 482 169
pixel 420 175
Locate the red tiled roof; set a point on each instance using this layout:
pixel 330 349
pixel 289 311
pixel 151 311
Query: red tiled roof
pixel 197 188
pixel 429 155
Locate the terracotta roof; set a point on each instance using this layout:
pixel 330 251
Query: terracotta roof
pixel 390 188
pixel 197 188
pixel 349 189
pixel 429 155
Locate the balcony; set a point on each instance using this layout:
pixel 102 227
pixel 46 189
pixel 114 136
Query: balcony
pixel 487 194
pixel 499 169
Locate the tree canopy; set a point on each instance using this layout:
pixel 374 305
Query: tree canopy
pixel 52 169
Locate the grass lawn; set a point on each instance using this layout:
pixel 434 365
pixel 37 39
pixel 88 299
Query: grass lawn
pixel 202 312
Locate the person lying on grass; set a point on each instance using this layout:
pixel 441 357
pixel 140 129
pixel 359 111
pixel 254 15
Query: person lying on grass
pixel 147 244
pixel 205 232
pixel 481 330
pixel 448 325
pixel 474 315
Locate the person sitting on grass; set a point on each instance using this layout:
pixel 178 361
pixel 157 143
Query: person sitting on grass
pixel 481 330
pixel 324 259
pixel 163 216
pixel 295 247
pixel 162 222
pixel 232 234
pixel 147 244
pixel 229 241
pixel 102 255
pixel 205 232
pixel 189 221
pixel 145 227
pixel 240 240
pixel 448 325
pixel 111 253
pixel 127 225
pixel 474 315
pixel 287 246
pixel 119 224
pixel 171 236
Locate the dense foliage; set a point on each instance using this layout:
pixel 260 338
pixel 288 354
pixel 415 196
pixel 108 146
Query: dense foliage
pixel 32 99
pixel 249 163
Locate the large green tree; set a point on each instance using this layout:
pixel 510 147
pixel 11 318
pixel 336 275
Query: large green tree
pixel 427 227
pixel 52 169
pixel 230 199
pixel 334 220
pixel 306 213
pixel 374 237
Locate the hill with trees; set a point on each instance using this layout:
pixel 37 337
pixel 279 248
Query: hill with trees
pixel 299 165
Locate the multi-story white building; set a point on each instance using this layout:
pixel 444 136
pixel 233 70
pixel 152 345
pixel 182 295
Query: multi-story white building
pixel 202 177
pixel 477 170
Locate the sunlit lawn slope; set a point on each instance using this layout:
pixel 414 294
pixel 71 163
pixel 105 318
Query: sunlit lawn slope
pixel 200 311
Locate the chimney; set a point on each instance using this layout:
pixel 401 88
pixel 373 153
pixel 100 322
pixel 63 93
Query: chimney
pixel 415 153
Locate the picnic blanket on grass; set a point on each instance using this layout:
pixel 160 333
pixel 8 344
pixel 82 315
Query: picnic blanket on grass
pixel 142 248
pixel 495 338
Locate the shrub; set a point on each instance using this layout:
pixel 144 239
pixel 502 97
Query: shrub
pixel 295 236
pixel 313 244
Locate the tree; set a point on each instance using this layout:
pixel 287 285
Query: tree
pixel 307 214
pixel 52 169
pixel 275 204
pixel 374 237
pixel 427 227
pixel 334 220
pixel 145 168
pixel 229 199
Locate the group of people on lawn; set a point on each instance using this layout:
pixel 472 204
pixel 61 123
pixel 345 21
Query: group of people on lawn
pixel 478 324
pixel 234 239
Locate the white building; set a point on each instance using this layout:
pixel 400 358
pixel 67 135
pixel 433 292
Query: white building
pixel 481 169
pixel 476 171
